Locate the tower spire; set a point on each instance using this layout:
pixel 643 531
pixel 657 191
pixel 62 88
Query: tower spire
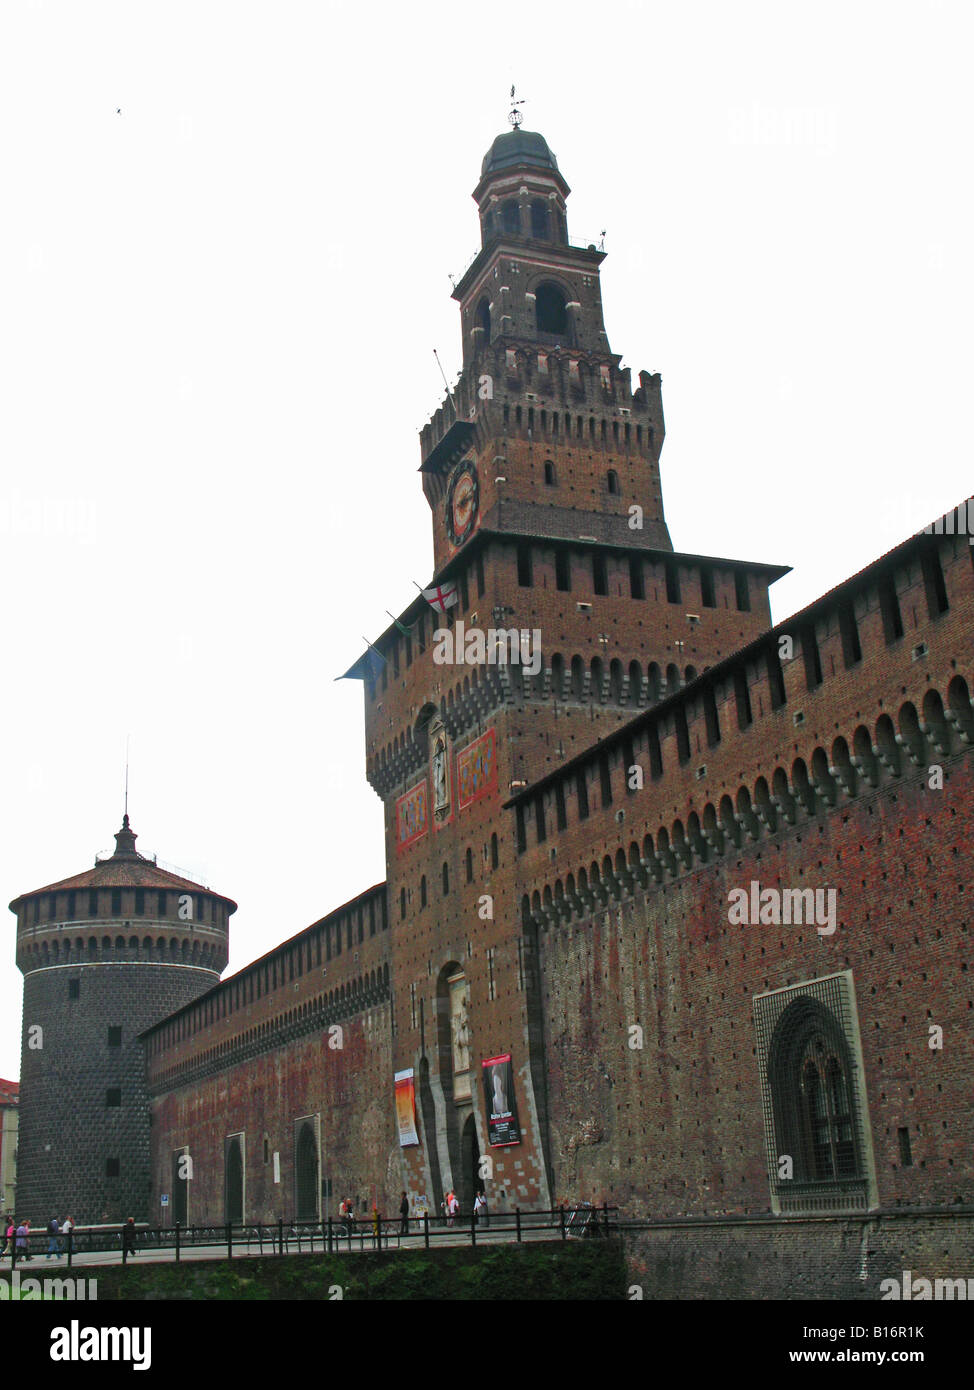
pixel 126 837
pixel 514 115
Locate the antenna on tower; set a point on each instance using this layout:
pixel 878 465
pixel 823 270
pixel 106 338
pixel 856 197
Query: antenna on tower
pixel 443 375
pixel 127 737
pixel 514 115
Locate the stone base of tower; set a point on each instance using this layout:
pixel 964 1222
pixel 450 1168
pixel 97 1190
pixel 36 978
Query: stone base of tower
pixel 84 1113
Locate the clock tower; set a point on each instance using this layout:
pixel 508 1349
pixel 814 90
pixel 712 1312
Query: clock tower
pixel 537 367
pixel 572 613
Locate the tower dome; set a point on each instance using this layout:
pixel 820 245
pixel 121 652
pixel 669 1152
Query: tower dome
pixel 518 149
pixel 104 954
pixel 521 192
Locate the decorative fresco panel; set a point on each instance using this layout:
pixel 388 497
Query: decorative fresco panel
pixel 476 769
pixel 412 815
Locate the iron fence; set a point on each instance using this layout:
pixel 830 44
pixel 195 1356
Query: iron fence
pixel 335 1234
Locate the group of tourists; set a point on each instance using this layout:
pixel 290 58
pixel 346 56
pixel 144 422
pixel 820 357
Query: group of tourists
pixel 449 1209
pixel 18 1237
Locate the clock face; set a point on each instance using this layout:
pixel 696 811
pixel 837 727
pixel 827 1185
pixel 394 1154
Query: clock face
pixel 461 501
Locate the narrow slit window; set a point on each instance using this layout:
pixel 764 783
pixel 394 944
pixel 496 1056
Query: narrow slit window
pixel 581 787
pixel 849 630
pixel 813 660
pixel 890 608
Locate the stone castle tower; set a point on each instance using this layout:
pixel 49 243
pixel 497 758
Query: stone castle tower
pixel 542 474
pixel 104 955
pixel 470 1020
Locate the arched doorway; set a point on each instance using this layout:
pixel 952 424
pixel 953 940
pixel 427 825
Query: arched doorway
pixel 233 1200
pixel 306 1170
pixel 470 1158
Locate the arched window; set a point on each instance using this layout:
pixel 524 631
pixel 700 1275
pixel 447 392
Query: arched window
pixel 813 1098
pixel 612 478
pixel 539 219
pixel 552 316
pixel 549 473
pixel 511 217
pixel 482 319
pixel 828 1116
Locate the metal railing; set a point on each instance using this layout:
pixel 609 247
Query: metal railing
pixel 333 1235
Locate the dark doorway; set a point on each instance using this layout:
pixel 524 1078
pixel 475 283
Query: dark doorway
pixel 233 1180
pixel 470 1152
pixel 306 1171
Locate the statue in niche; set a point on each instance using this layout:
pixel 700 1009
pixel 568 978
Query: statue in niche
pixel 441 773
pixel 461 1035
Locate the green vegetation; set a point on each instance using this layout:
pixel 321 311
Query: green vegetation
pixel 574 1270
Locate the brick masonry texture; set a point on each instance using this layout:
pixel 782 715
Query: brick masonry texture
pixel 799 1259
pixel 67 1132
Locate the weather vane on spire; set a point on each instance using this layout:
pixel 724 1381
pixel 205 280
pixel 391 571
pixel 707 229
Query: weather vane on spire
pixel 514 116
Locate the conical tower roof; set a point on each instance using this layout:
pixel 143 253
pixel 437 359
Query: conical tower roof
pixel 126 868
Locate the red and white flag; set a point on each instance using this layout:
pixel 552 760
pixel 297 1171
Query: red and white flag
pixel 441 598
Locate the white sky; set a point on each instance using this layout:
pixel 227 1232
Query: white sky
pixel 217 315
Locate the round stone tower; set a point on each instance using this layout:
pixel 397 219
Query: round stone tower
pixel 104 955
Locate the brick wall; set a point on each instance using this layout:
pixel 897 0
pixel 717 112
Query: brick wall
pixel 824 1258
pixel 305 1030
pixel 67 1132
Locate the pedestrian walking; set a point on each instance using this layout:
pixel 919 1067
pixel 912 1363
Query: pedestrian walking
pixel 53 1231
pixel 11 1232
pixel 66 1230
pixel 404 1215
pixel 128 1237
pixel 23 1241
pixel 480 1209
pixel 375 1227
pixel 453 1207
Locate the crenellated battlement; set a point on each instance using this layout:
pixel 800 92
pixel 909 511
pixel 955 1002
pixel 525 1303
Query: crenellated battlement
pixel 281 995
pixel 554 395
pixel 775 734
